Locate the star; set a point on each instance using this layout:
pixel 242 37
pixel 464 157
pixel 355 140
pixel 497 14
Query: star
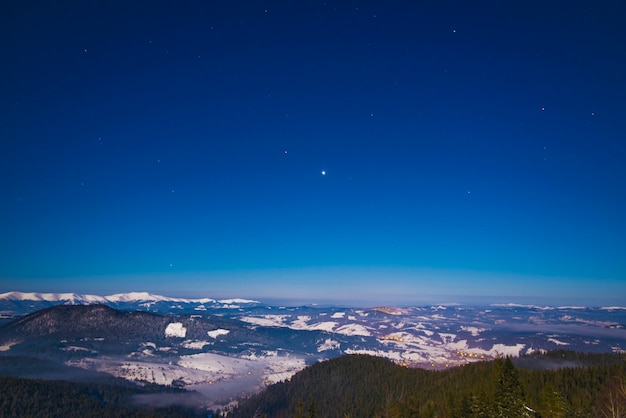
pixel 323 172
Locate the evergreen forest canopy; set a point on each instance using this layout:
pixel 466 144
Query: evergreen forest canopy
pixel 36 398
pixel 358 386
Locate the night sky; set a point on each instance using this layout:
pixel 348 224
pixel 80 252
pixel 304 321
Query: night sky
pixel 351 152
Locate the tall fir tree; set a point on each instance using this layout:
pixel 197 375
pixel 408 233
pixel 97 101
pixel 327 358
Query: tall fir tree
pixel 509 401
pixel 553 401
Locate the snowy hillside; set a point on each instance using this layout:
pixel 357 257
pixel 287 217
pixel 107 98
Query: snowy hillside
pixel 116 298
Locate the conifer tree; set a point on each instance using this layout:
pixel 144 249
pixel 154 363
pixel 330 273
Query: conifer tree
pixel 509 401
pixel 465 409
pixel 478 407
pixel 312 410
pixel 554 403
pixel 300 409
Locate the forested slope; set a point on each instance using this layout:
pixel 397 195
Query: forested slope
pixel 46 398
pixel 362 386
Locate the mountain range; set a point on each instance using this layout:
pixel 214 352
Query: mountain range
pixel 222 348
pixel 74 298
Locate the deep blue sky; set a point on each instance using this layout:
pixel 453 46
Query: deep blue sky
pixel 471 150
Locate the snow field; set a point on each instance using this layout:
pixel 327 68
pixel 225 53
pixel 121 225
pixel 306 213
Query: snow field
pixel 175 329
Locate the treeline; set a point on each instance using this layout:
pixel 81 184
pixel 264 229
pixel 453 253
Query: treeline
pixel 45 398
pixel 362 386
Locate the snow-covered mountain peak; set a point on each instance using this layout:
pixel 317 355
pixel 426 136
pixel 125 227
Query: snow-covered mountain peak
pixel 237 301
pixel 136 296
pixel 38 297
pixel 115 298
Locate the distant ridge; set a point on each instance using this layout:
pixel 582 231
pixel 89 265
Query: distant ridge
pixel 115 298
pixel 149 298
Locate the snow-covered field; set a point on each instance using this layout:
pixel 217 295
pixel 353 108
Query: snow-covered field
pixel 196 369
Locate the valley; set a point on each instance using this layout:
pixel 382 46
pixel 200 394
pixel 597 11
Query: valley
pixel 225 349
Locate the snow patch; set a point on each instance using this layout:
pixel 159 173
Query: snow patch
pixel 266 320
pixel 216 333
pixel 7 346
pixel 507 350
pixel 458 345
pixel 475 331
pixel 301 322
pixel 175 329
pixel 77 348
pixel 557 342
pixel 328 344
pixel 195 345
pixel 353 329
pixel 323 326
